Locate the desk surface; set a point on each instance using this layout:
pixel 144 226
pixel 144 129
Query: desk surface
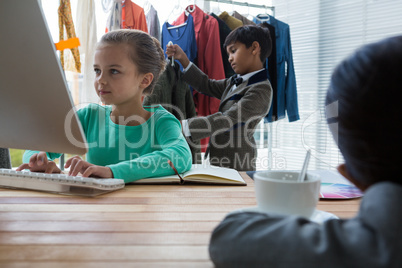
pixel 145 225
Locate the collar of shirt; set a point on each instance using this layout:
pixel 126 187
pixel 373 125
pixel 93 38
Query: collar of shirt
pixel 246 77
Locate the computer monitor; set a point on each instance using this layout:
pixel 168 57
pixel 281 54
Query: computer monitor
pixel 36 109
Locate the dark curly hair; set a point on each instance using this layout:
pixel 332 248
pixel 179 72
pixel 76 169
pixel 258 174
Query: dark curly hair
pixel 364 111
pixel 247 35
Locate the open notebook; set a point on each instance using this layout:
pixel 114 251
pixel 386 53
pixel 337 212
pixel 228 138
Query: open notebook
pixel 204 174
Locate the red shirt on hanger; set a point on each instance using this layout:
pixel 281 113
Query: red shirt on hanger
pixel 209 57
pixel 133 17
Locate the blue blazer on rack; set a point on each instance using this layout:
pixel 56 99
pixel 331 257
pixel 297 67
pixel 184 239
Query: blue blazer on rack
pixel 286 82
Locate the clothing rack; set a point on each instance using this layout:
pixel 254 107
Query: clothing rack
pixel 272 8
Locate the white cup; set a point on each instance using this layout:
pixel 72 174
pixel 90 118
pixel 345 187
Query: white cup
pixel 280 192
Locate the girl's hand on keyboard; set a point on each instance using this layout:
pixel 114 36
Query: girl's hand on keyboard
pixel 77 165
pixel 39 163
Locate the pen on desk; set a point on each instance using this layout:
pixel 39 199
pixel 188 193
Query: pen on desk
pixel 175 171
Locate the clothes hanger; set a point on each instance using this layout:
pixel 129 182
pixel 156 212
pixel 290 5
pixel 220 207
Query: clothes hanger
pixel 190 8
pixel 220 11
pixel 176 9
pixel 107 5
pixel 176 26
pixel 264 17
pixel 233 9
pixel 146 7
pixel 249 16
pixel 215 9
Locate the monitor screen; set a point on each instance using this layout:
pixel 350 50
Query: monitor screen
pixel 36 108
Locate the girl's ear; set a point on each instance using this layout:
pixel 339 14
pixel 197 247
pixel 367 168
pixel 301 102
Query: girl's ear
pixel 146 80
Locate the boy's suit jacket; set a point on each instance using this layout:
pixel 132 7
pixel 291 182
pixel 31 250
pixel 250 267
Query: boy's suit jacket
pixel 232 128
pixel 371 239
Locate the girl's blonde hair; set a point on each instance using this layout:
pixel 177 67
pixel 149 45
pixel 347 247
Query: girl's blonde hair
pixel 144 50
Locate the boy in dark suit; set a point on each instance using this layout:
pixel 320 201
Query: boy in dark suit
pixel 363 112
pixel 245 98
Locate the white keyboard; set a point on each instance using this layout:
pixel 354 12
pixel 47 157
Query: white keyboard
pixel 59 183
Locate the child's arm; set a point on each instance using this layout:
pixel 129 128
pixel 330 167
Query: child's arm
pixel 197 79
pixel 168 143
pixel 276 240
pixel 368 240
pixel 250 109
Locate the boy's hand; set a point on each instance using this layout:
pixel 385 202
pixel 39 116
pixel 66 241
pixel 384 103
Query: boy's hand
pixel 39 163
pixel 77 165
pixel 178 53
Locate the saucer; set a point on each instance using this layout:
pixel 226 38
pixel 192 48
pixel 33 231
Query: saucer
pixel 318 216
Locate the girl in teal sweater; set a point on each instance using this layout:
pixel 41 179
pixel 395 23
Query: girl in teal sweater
pixel 125 139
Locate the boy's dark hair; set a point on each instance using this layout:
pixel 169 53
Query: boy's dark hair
pixel 247 35
pixel 366 92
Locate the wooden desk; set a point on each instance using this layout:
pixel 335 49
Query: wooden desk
pixel 141 225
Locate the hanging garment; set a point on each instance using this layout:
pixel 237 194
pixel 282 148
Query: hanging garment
pixel 287 92
pixel 184 36
pixel 230 21
pixel 133 17
pixel 153 25
pixel 242 18
pixel 224 31
pixel 270 66
pixel 113 21
pixel 209 59
pixel 86 32
pixel 66 20
pixel 175 96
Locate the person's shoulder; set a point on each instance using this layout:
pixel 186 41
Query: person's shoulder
pixel 93 109
pixel 259 90
pixel 388 187
pixel 259 84
pixel 161 118
pixel 259 80
pixel 159 112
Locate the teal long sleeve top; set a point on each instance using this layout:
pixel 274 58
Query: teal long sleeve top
pixel 133 152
